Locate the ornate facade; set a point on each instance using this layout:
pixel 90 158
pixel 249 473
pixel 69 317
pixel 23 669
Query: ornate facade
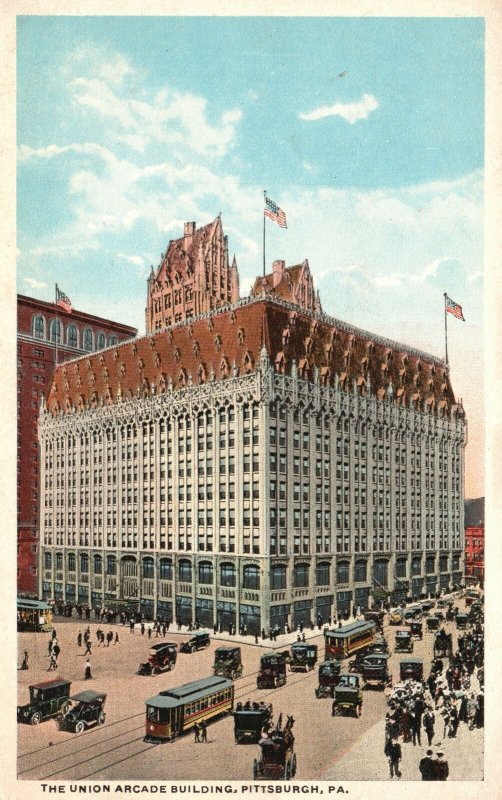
pixel 259 464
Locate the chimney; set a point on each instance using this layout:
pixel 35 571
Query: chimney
pixel 277 272
pixel 189 229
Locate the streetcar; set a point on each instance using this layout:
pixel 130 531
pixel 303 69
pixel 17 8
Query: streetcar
pixel 33 615
pixel 342 642
pixel 174 711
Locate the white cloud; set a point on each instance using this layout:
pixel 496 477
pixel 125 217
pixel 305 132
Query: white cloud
pixel 136 260
pixel 350 112
pixel 252 94
pixel 34 284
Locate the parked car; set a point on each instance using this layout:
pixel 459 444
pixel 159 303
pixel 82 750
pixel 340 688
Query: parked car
pixel 348 696
pixel 303 657
pixel 375 670
pixel 227 662
pixel 404 642
pixel 329 672
pixel 197 642
pixel 86 709
pixel 411 668
pixel 47 700
pixel 162 657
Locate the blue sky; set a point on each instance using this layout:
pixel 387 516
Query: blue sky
pixel 367 132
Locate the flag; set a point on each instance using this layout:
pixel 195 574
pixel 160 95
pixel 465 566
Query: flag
pixel 273 212
pixel 454 308
pixel 63 301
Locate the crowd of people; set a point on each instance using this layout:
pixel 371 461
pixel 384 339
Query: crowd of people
pixel 451 695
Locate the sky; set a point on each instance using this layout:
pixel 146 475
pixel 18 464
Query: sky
pixel 368 133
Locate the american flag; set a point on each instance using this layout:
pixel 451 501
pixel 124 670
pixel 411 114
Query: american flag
pixel 272 211
pixel 63 301
pixel 453 308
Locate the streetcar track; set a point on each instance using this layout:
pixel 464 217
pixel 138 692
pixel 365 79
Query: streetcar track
pixel 105 753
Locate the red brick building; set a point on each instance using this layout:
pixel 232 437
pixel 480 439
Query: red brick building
pixel 475 539
pixel 44 330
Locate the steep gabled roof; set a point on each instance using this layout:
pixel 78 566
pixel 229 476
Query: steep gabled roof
pixel 183 253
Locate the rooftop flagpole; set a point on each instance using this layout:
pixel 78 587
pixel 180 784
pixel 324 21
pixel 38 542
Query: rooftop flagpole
pixel 265 203
pixel 445 329
pixel 56 330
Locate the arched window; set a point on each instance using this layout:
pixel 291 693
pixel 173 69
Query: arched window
pixel 113 340
pixel 39 327
pixel 360 571
pixel 227 575
pixel 48 560
pixel 98 564
pixel 381 572
pixel 301 575
pixel 342 572
pixel 59 561
pixel 84 562
pixel 87 339
pixel 278 577
pixel 322 574
pixel 72 562
pixel 251 577
pixel 148 567
pixel 430 565
pixel 185 571
pixel 72 336
pixel 56 331
pixel 111 565
pixel 166 569
pixel 101 341
pixel 205 572
pixel 416 565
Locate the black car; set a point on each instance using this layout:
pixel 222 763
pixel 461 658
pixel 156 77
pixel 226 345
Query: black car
pixel 197 642
pixel 86 709
pixel 47 699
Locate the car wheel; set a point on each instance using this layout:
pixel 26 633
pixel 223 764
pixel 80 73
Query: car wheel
pixel 79 727
pixel 155 671
pixel 101 718
pixel 36 718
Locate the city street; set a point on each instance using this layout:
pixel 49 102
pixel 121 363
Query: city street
pixel 328 748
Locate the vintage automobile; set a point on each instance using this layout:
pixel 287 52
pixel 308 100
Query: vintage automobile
pixel 377 617
pixel 227 662
pixel 417 629
pixel 380 645
pixel 375 671
pixel 198 641
pixel 414 612
pixel 470 596
pixel 278 759
pixel 355 663
pixel 428 604
pixel 47 699
pixel 249 720
pixel 329 672
pixel 411 668
pixel 396 617
pixel 404 642
pixel 303 657
pixel 462 621
pixel 86 709
pixel 348 697
pixel 162 658
pixel 442 645
pixel 439 615
pixel 432 623
pixel 272 671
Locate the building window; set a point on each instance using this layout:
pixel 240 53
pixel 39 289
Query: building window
pixel 227 575
pixel 342 572
pixel 59 561
pixel 416 565
pixel 111 565
pixel 251 577
pixel 278 577
pixel 148 568
pixel 48 560
pixel 72 336
pixel 401 568
pixel 322 574
pixel 301 575
pixel 87 339
pixel 113 340
pixel 39 327
pixel 205 572
pixel 443 563
pixel 101 341
pixel 56 331
pixel 84 562
pixel 72 562
pixel 185 571
pixel 166 569
pixel 98 564
pixel 360 571
pixel 381 573
pixel 430 564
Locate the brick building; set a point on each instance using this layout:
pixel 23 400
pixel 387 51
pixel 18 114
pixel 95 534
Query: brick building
pixel 257 463
pixel 475 539
pixel 39 326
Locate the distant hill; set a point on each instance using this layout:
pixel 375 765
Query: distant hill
pixel 474 511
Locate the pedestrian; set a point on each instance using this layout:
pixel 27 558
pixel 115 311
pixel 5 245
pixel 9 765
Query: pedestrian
pixel 88 650
pixel 109 638
pixel 428 723
pixel 54 634
pixel 203 731
pixel 116 641
pixel 426 767
pixel 50 646
pixel 24 663
pixel 131 625
pixel 393 752
pixel 53 664
pixel 440 768
pixel 149 631
pixel 56 650
pixel 256 638
pixel 263 633
pixel 142 628
pixel 196 731
pixel 98 635
pixel 88 674
pixel 79 639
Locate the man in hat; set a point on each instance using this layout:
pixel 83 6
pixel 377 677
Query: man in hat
pixel 393 752
pixel 440 768
pixel 426 766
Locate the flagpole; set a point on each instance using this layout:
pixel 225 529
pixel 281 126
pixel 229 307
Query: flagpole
pixel 57 325
pixel 265 203
pixel 445 329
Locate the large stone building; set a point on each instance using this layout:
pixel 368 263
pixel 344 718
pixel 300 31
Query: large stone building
pixel 475 540
pixel 45 333
pixel 258 463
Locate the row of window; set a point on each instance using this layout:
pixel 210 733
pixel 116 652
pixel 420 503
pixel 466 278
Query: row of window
pixel 73 337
